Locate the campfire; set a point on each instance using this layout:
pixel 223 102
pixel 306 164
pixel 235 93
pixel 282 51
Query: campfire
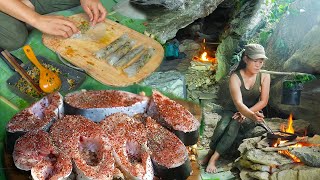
pixel 263 157
pixel 204 55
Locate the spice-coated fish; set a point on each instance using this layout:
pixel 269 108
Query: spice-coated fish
pixel 35 151
pixel 87 144
pixel 174 117
pixel 129 142
pixel 168 153
pixel 96 105
pixel 39 116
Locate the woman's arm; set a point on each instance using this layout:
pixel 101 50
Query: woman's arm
pixel 18 10
pixel 49 24
pixel 234 86
pixel 264 97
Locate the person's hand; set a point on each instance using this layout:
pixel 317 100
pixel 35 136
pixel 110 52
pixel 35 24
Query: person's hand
pixel 239 117
pixel 257 116
pixel 94 9
pixel 55 25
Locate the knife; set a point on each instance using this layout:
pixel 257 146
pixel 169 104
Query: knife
pixel 13 62
pixel 9 54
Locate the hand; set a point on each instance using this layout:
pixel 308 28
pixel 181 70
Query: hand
pixel 239 117
pixel 55 25
pixel 94 9
pixel 257 116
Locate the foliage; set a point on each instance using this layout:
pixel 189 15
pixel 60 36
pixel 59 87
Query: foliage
pixel 297 82
pixel 279 8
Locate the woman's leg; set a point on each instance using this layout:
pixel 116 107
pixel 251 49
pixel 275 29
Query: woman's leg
pixel 224 144
pixel 218 132
pixel 13 33
pixel 212 168
pixel 49 6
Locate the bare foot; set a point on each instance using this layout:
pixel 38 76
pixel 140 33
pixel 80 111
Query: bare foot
pixel 206 159
pixel 211 168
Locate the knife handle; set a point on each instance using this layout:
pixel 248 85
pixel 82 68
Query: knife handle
pixel 4 59
pixel 11 56
pixel 21 71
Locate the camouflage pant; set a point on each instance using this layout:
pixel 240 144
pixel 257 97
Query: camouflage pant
pixel 14 33
pixel 227 131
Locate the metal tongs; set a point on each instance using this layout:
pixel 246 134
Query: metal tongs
pixel 265 126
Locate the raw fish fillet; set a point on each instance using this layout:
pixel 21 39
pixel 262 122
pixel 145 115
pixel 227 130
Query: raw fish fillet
pixel 129 142
pixel 39 116
pixel 168 153
pixel 86 144
pixel 174 117
pixel 96 105
pixel 35 151
pixel 52 168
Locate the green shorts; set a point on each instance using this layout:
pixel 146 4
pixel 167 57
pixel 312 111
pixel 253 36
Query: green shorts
pixel 14 33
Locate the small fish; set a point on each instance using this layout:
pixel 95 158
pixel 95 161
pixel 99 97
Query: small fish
pixel 129 56
pixel 119 53
pixel 143 59
pixel 110 48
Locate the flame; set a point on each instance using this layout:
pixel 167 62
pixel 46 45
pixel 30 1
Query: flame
pixel 204 55
pixel 289 128
pixel 287 153
pixel 204 58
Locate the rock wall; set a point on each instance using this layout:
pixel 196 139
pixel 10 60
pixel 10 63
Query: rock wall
pixel 164 24
pixel 291 43
pixel 294 47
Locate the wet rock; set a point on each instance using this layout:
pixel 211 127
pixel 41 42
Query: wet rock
pixel 168 4
pixel 266 158
pixel 308 155
pixel 171 82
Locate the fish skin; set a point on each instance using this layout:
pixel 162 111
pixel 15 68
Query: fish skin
pixel 175 117
pixel 39 116
pixel 96 105
pixel 161 141
pixel 80 139
pixel 129 142
pixel 168 153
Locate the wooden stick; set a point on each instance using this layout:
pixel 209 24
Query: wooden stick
pixel 268 149
pixel 284 73
pixel 21 71
pixel 3 99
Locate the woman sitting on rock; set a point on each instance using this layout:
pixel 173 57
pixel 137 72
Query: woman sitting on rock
pixel 249 90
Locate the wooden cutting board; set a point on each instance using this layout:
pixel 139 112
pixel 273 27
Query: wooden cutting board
pixel 80 51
